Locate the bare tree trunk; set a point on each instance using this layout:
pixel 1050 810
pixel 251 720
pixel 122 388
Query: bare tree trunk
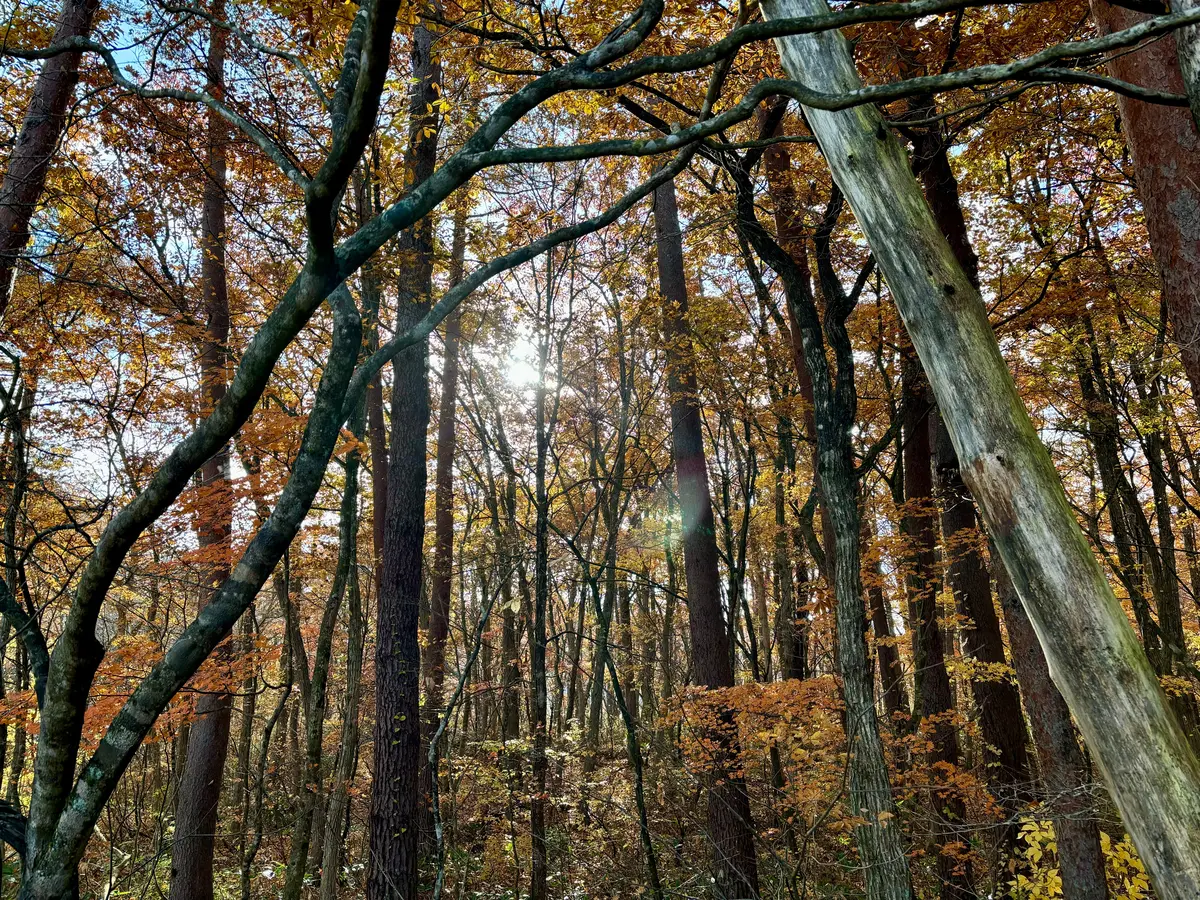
pixel 1064 773
pixel 730 826
pixel 442 574
pixel 1091 649
pixel 316 696
pixel 42 127
pixel 208 739
pixel 395 805
pixel 1166 162
pixel 347 758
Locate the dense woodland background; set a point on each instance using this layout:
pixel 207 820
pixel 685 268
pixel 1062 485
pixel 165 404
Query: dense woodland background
pixel 561 593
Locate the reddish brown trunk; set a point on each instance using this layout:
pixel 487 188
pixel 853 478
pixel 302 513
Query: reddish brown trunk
pixel 1166 162
pixel 41 128
pixel 730 826
pixel 208 741
pixel 934 699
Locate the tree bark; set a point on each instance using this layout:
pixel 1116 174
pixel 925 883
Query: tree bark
pixel 442 573
pixel 208 740
pixel 395 806
pixel 42 127
pixel 730 826
pixel 1063 770
pixel 1166 162
pixel 1095 656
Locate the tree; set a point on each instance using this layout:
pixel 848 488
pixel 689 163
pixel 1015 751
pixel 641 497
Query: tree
pixel 1100 668
pixel 208 739
pixel 42 127
pixel 735 868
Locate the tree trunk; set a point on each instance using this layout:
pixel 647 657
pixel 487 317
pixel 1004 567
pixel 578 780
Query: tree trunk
pixel 208 739
pixel 395 805
pixel 442 574
pixel 1166 162
pixel 1064 773
pixel 1099 666
pixel 315 697
pixel 730 826
pixel 42 127
pixel 347 759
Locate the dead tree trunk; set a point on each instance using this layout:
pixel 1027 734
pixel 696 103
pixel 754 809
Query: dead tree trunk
pixel 1091 649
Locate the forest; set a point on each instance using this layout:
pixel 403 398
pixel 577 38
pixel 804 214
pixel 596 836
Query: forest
pixel 733 449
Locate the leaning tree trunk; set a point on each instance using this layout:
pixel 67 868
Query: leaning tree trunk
pixel 43 125
pixel 1090 647
pixel 731 829
pixel 208 740
pixel 395 804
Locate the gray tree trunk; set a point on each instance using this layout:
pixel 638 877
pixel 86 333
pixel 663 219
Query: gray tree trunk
pixel 1091 649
